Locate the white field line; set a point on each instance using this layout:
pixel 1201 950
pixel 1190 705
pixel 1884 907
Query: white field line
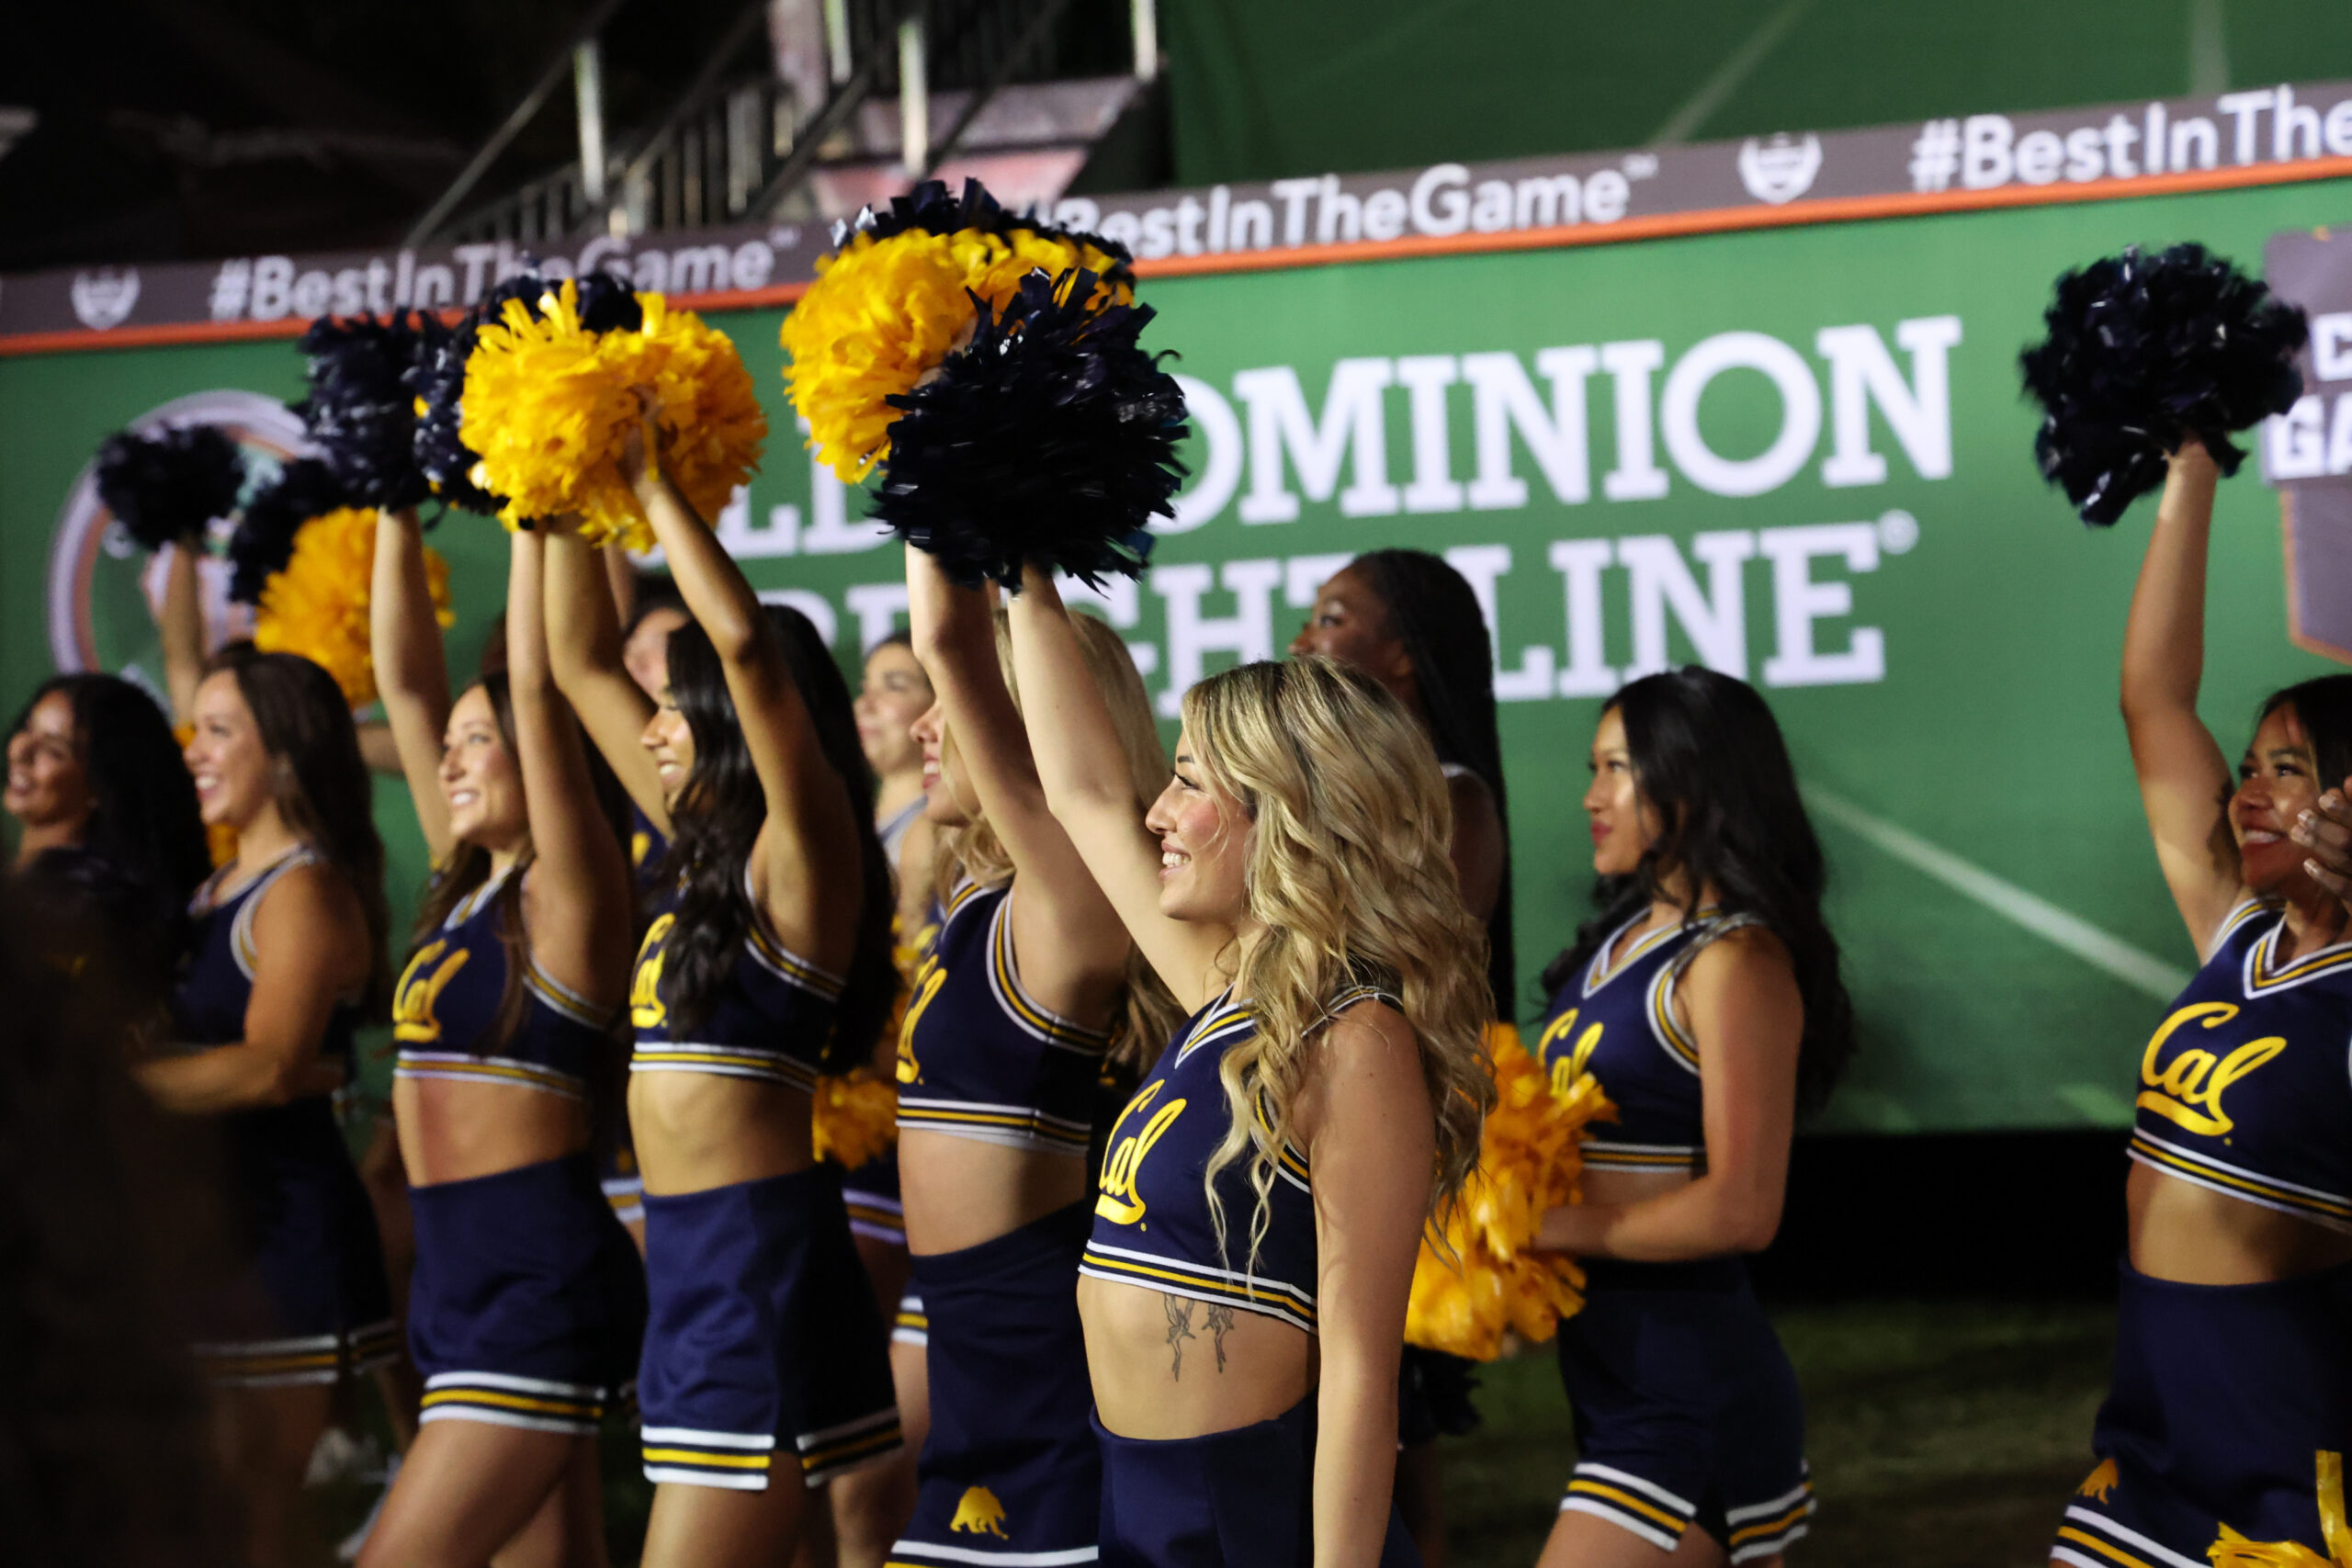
pixel 2141 971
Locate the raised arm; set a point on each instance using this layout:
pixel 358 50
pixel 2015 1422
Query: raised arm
pixel 180 625
pixel 1087 787
pixel 311 949
pixel 1365 1118
pixel 576 895
pixel 583 643
pixel 1066 940
pixel 1740 998
pixel 2185 779
pixel 412 671
pixel 808 857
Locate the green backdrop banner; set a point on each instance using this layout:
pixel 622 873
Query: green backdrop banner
pixel 1797 455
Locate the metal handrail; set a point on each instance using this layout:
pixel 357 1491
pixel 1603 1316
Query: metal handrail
pixel 558 68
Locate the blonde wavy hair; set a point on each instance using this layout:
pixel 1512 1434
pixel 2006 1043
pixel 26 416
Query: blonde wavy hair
pixel 1348 870
pixel 1149 1014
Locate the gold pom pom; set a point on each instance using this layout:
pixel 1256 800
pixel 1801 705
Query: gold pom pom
pixel 884 313
pixel 713 428
pixel 1487 1278
pixel 318 605
pixel 549 404
pixel 546 411
pixel 854 1117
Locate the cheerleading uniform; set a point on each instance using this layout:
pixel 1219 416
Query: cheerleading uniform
pixel 1686 1410
pixel 1244 1497
pixel 616 1172
pixel 893 832
pixel 2227 1398
pixel 762 1333
pixel 1010 1457
pixel 312 1266
pixel 528 1300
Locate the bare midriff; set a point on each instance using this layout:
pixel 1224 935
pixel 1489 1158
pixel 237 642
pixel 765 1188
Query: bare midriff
pixel 1164 1367
pixel 697 1131
pixel 2193 1236
pixel 456 1132
pixel 959 1192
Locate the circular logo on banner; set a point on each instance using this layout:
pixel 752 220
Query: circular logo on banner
pixel 104 591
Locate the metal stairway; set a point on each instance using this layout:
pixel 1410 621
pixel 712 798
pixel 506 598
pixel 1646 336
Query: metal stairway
pixel 741 144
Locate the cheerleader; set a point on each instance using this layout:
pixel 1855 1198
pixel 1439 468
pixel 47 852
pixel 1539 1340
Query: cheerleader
pixel 894 693
pixel 527 1303
pixel 873 1505
pixel 2231 1402
pixel 1411 622
pixel 1026 977
pixel 1706 1000
pixel 767 963
pixel 1243 1286
pixel 288 958
pixel 94 775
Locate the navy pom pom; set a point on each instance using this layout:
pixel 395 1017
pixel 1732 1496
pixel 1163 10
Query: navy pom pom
pixel 264 542
pixel 438 377
pixel 930 208
pixel 1052 438
pixel 361 415
pixel 166 487
pixel 2144 351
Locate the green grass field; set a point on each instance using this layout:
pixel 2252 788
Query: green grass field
pixel 1943 1435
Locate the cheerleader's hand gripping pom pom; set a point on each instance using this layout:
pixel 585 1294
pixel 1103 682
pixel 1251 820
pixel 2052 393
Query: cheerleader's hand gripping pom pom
pixel 264 540
pixel 163 488
pixel 317 606
pixel 361 415
pixel 897 297
pixel 1486 1279
pixel 2144 351
pixel 1051 439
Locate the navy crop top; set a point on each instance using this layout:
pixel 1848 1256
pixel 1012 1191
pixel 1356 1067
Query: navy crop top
pixel 771 1021
pixel 1619 1025
pixel 976 1057
pixel 209 1008
pixel 647 848
pixel 1152 1226
pixel 2246 1088
pixel 445 1009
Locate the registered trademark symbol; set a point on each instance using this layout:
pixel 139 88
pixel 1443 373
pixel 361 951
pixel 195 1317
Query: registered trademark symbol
pixel 1898 532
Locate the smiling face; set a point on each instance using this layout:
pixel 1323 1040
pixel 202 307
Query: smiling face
pixel 1350 623
pixel 646 654
pixel 48 787
pixel 2278 779
pixel 948 795
pixel 894 695
pixel 232 766
pixel 672 744
pixel 1623 825
pixel 1204 844
pixel 479 779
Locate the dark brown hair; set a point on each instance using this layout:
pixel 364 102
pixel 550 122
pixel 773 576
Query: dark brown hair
pixel 320 782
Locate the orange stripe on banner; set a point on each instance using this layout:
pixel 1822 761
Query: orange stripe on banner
pixel 1710 221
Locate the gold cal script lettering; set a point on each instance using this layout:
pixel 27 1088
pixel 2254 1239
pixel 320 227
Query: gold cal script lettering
pixel 2188 1090
pixel 1571 1066
pixel 928 980
pixel 414 1002
pixel 1118 1202
pixel 645 1008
